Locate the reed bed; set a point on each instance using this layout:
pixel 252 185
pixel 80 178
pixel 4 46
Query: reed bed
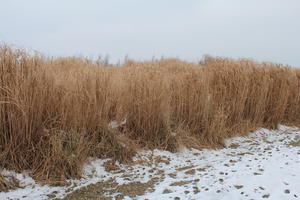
pixel 55 113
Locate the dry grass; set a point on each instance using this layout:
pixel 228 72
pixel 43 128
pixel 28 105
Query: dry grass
pixel 8 183
pixel 54 113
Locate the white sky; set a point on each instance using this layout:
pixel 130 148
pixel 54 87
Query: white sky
pixel 266 30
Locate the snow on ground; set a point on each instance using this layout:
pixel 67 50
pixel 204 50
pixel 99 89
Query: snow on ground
pixel 264 165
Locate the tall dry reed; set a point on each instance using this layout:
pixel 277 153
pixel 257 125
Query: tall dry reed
pixel 55 113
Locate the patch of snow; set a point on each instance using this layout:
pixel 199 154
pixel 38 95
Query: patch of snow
pixel 262 165
pixel 115 124
pixel 173 134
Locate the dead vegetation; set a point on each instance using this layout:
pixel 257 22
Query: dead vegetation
pixel 54 113
pixel 8 183
pixel 106 189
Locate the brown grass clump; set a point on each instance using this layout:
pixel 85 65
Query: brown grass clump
pixel 54 113
pixel 8 183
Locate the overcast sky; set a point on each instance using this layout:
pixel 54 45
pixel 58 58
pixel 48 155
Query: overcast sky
pixel 266 30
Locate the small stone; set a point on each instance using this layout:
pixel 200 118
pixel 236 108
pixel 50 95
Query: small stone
pixel 167 191
pixel 238 186
pixel 265 196
pixel 190 172
pixel 287 191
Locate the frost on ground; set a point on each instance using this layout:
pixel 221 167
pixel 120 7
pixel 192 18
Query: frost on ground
pixel 264 165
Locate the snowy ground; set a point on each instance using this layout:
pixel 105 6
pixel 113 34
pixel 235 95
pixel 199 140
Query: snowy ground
pixel 264 165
